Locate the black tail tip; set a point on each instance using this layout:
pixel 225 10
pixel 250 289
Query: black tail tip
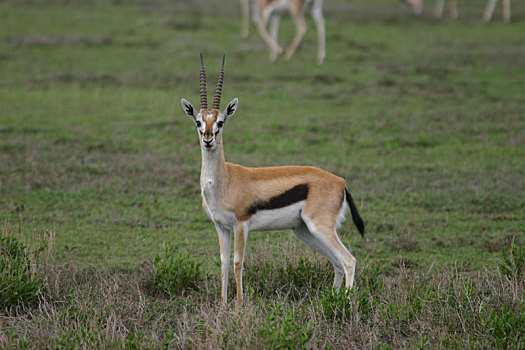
pixel 361 227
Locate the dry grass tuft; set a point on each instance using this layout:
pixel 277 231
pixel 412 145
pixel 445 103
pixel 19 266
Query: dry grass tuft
pixel 286 294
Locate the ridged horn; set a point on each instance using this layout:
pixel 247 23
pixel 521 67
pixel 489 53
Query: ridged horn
pixel 204 102
pixel 218 91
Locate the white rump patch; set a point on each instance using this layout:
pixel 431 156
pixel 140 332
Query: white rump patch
pixel 342 214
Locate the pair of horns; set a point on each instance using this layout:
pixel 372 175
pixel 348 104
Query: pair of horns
pixel 218 90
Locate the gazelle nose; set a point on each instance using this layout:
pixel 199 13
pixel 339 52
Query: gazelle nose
pixel 207 143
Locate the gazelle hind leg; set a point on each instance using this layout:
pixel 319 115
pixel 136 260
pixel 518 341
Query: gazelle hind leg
pixel 316 244
pixel 348 262
pixel 336 248
pixel 333 248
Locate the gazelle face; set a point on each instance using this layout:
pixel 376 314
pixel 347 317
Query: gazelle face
pixel 210 123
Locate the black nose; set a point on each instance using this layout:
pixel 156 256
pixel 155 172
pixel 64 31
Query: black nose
pixel 207 143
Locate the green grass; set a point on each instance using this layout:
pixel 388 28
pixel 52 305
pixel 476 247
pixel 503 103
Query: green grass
pixel 425 119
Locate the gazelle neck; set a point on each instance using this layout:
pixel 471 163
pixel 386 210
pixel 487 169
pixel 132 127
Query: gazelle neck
pixel 213 171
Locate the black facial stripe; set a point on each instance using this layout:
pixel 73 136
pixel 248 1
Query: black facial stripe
pixel 293 195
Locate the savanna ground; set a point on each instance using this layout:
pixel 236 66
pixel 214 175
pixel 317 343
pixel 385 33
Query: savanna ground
pixel 103 240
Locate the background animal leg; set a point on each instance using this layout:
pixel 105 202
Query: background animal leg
pixel 274 26
pixel 245 7
pixel 453 9
pixel 506 11
pixel 317 14
pixel 489 10
pixel 261 26
pixel 438 12
pixel 301 29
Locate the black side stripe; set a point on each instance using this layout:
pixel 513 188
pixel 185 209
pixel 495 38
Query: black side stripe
pixel 293 195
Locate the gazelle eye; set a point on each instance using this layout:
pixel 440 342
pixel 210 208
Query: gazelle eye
pixel 220 124
pixel 198 124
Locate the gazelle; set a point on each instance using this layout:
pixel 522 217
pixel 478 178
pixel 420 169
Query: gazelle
pixel 417 8
pixel 264 10
pixel 308 200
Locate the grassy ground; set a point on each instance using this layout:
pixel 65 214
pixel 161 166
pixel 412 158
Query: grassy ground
pixel 424 118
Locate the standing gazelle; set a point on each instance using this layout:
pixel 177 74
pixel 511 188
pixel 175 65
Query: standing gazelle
pixel 264 10
pixel 308 200
pixel 417 9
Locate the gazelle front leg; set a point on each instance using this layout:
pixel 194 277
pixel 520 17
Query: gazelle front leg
pixel 225 248
pixel 239 246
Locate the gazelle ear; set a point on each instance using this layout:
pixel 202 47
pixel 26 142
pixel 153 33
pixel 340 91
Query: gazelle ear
pixel 230 109
pixel 188 109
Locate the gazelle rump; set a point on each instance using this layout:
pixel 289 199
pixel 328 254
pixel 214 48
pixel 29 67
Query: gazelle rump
pixel 308 200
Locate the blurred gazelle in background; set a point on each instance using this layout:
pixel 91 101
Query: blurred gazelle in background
pixel 417 8
pixel 265 10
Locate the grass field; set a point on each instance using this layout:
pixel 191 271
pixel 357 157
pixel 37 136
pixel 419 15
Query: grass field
pixel 99 176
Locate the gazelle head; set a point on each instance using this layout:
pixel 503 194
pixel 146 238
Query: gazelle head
pixel 210 122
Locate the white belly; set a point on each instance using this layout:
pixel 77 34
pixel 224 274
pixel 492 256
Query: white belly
pixel 277 219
